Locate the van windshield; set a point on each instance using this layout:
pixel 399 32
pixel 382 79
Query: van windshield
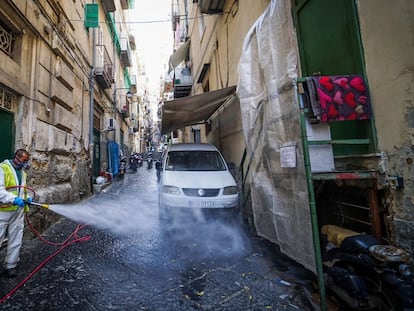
pixel 194 160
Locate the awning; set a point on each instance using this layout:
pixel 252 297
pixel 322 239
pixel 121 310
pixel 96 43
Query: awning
pixel 190 110
pixel 178 56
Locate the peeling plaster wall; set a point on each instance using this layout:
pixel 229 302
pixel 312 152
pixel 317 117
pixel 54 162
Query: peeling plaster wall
pixel 387 30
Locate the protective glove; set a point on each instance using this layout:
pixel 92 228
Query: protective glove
pixel 19 202
pixel 29 200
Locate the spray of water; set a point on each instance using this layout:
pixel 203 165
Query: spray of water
pixel 132 215
pixel 115 216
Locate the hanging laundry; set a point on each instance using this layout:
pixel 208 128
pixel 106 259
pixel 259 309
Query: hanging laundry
pixel 338 98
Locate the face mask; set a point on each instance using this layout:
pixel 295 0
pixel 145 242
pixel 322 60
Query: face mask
pixel 22 165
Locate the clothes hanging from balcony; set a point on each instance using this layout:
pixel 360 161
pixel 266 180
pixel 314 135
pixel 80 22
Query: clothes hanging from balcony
pixel 338 98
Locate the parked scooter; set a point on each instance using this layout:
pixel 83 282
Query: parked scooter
pixel 365 274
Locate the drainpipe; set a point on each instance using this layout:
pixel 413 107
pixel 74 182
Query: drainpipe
pixel 33 93
pixel 91 105
pixel 81 140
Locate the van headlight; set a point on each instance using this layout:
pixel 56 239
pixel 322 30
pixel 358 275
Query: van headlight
pixel 230 190
pixel 171 190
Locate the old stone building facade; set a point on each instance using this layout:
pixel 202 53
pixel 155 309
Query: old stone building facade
pixel 68 89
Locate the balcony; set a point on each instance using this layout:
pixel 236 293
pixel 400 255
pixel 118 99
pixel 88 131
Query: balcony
pixel 125 111
pixel 132 42
pixel 183 83
pixel 108 5
pixel 127 4
pixel 211 6
pixel 126 106
pixel 125 54
pixel 133 81
pixel 133 84
pixel 104 67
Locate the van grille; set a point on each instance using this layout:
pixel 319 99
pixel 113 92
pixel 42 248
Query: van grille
pixel 194 192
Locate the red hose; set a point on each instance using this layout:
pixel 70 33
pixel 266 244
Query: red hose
pixel 71 239
pixel 25 187
pixel 63 246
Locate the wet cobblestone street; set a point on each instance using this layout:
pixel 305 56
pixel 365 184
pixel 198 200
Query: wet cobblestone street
pixel 132 261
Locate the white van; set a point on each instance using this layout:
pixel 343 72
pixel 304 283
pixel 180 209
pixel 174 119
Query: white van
pixel 195 176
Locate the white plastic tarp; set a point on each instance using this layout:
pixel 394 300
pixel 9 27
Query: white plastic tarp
pixel 178 56
pixel 271 124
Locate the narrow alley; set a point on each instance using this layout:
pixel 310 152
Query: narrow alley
pixel 126 259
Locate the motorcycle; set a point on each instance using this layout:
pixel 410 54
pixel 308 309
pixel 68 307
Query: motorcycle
pixel 133 162
pixel 139 160
pixel 364 273
pixel 122 167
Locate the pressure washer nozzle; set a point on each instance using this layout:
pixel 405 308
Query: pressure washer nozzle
pixel 39 204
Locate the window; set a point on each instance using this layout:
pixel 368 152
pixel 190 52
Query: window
pixel 6 39
pixel 10 41
pixel 7 100
pixel 194 161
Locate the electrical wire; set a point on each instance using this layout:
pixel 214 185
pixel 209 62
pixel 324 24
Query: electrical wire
pixel 169 20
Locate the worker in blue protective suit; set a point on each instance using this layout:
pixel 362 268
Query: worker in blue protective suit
pixel 13 199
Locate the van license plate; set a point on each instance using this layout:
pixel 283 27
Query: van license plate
pixel 207 204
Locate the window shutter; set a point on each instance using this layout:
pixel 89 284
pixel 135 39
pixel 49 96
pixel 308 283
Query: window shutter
pixel 91 15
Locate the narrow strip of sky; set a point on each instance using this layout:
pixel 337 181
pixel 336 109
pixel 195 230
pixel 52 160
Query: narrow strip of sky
pixel 153 35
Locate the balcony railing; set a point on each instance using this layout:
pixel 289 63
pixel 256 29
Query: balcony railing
pixel 183 83
pixel 104 67
pixel 126 52
pixel 125 107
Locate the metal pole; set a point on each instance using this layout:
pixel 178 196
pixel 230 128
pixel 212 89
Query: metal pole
pixel 91 106
pixel 312 206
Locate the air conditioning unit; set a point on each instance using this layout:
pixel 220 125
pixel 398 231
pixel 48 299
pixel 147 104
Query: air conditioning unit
pixel 111 124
